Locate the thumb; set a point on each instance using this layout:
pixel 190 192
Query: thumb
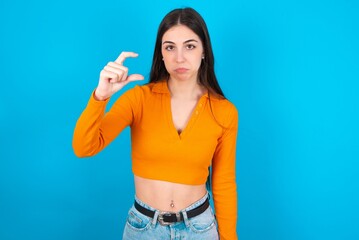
pixel 135 77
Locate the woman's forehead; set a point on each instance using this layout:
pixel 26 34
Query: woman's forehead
pixel 180 34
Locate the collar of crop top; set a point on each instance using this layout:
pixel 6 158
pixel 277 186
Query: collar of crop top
pixel 162 87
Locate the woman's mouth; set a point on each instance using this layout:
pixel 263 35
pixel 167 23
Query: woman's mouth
pixel 181 70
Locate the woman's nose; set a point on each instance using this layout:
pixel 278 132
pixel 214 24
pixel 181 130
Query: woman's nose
pixel 180 56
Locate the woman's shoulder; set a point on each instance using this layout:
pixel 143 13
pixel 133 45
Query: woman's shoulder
pixel 149 88
pixel 142 93
pixel 222 104
pixel 224 110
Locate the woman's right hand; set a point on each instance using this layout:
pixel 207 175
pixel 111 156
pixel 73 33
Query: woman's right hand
pixel 114 76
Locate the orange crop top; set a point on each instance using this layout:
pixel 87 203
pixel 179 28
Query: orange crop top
pixel 209 139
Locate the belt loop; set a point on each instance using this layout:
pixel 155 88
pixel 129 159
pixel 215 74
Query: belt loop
pixel 154 220
pixel 185 218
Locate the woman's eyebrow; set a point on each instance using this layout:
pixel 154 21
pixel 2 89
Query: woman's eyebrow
pixel 190 40
pixel 187 41
pixel 168 42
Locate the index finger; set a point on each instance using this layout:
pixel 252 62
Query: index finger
pixel 125 55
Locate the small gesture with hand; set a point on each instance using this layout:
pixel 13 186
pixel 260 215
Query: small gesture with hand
pixel 114 76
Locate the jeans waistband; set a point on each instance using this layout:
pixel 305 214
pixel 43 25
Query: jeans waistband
pixel 190 207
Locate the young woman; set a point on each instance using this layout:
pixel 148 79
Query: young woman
pixel 183 133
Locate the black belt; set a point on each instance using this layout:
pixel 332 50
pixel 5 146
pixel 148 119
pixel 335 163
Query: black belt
pixel 167 218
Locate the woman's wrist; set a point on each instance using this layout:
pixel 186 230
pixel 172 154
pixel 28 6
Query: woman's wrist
pixel 98 96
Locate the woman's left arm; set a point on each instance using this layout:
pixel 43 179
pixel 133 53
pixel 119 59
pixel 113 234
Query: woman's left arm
pixel 224 177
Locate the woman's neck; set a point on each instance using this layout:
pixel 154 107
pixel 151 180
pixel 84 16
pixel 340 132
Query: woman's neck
pixel 185 89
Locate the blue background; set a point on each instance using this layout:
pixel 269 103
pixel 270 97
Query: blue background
pixel 290 67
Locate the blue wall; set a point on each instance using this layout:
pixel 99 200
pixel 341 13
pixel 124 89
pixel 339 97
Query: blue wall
pixel 291 68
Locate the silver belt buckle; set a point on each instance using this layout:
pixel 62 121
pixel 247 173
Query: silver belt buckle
pixel 163 223
pixel 160 218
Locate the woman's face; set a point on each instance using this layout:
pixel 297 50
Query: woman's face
pixel 182 52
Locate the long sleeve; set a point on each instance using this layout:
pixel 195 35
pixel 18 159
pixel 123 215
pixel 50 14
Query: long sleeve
pixel 95 130
pixel 224 180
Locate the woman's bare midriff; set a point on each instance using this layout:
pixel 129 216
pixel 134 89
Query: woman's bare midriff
pixel 167 196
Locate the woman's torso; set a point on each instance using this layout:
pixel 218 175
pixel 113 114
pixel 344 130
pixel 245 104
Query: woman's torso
pixel 159 151
pixel 162 194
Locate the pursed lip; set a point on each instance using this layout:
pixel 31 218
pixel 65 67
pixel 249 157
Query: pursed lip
pixel 181 70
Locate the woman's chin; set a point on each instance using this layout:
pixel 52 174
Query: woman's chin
pixel 183 76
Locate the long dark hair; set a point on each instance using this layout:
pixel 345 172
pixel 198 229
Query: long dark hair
pixel 191 19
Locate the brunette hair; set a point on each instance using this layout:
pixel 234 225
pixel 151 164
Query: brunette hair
pixel 191 19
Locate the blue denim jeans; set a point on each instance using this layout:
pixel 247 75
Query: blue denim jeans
pixel 141 227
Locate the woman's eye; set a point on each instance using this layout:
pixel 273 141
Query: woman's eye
pixel 190 46
pixel 169 48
